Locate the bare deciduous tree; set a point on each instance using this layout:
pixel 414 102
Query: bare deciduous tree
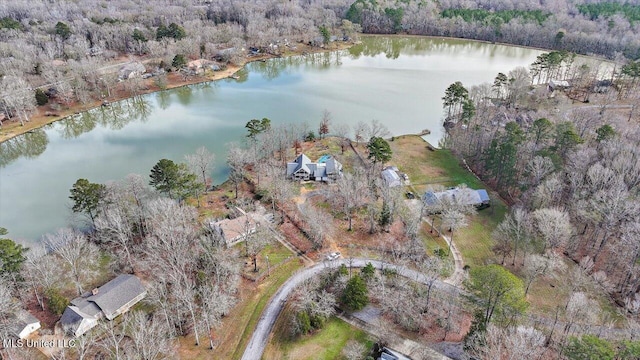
pixel 201 162
pixel 553 226
pixel 79 255
pixel 509 343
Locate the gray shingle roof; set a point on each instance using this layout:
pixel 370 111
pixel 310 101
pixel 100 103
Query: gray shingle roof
pixel 73 319
pixel 463 196
pixel 22 318
pixel 86 307
pixel 315 170
pixel 117 293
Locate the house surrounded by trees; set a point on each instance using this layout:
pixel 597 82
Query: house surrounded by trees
pixel 110 300
pixel 325 169
pixel 460 195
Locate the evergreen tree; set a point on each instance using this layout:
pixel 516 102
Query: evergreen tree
pixel 502 155
pixel 139 36
pixel 379 150
pixel 355 295
pixel 87 197
pixel 41 97
pixel 63 30
pixel 178 61
pixel 11 255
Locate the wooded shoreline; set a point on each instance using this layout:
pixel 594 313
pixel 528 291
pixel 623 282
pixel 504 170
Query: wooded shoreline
pixel 42 117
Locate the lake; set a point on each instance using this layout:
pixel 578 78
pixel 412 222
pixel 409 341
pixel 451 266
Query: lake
pixel 398 81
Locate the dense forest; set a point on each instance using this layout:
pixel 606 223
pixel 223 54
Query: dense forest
pixel 65 48
pixel 566 158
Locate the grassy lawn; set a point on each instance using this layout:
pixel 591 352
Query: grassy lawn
pixel 276 252
pixel 433 242
pixel 326 343
pixel 426 167
pixel 475 241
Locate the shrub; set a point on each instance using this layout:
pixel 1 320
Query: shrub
pixel 41 97
pixel 57 303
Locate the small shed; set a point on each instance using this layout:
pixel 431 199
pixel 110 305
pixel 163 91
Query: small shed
pixel 24 324
pixel 131 70
pixel 558 85
pixel 391 178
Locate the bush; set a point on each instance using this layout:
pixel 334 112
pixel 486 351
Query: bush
pixel 41 97
pixel 368 272
pixel 178 61
pixel 57 303
pixel 342 270
pixel 311 136
pixel 440 253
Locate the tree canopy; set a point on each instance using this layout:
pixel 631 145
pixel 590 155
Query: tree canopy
pixel 355 295
pixel 62 30
pixel 255 127
pixel 173 31
pixel 498 292
pixel 454 97
pixel 379 150
pixel 11 254
pixel 589 347
pixel 172 179
pixel 87 197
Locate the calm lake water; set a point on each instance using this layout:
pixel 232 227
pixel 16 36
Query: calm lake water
pixel 398 81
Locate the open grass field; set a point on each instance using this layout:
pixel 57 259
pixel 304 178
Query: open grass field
pixel 325 344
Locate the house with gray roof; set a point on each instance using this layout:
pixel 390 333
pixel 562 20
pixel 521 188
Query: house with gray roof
pixel 325 169
pixel 110 300
pixel 80 316
pixel 24 324
pixel 434 200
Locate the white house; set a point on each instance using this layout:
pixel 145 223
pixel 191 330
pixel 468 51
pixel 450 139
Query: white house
pixel 24 324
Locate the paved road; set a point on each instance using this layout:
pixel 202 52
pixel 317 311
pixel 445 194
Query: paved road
pixel 260 336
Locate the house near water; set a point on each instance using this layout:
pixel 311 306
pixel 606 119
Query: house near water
pixel 327 168
pixel 110 300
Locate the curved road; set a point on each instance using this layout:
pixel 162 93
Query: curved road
pixel 260 336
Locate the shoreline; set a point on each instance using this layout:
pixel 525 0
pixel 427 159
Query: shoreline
pixel 40 118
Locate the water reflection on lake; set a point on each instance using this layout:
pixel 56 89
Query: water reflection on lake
pixel 398 81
